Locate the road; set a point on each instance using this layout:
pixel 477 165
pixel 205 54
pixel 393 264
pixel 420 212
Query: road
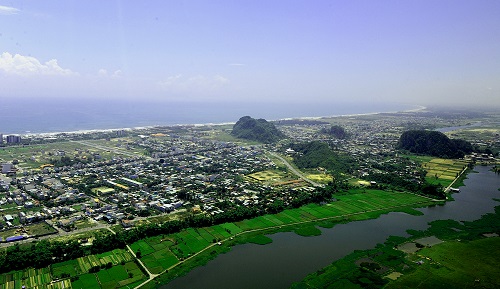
pixel 59 233
pixel 295 171
pixel 459 175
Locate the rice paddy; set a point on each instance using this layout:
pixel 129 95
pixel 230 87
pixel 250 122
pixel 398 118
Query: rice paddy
pixel 443 171
pixel 31 278
pixel 122 273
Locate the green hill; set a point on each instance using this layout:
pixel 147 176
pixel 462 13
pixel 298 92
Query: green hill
pixel 336 131
pixel 256 129
pixel 433 143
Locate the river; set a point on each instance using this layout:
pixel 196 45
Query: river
pixel 291 257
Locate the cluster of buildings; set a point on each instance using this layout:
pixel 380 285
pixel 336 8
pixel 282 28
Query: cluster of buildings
pixel 10 139
pixel 184 168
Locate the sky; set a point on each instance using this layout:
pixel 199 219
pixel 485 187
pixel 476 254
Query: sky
pixel 417 52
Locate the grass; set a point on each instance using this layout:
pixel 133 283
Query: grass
pixel 307 231
pixel 87 281
pixel 456 265
pixel 260 240
pixel 68 267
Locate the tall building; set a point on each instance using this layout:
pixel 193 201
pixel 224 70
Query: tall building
pixel 13 139
pixel 1 138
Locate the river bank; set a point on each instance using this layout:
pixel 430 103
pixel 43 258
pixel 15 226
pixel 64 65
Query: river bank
pixel 301 221
pixel 277 265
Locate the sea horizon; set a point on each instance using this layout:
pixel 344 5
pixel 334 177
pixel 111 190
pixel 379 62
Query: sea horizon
pixel 63 116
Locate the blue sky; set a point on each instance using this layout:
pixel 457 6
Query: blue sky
pixel 416 52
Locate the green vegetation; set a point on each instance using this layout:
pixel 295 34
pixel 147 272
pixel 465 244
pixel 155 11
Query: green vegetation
pixel 466 258
pixel 260 240
pixel 318 154
pixel 256 129
pixel 307 231
pixel 114 269
pixel 433 143
pixel 336 131
pixel 455 264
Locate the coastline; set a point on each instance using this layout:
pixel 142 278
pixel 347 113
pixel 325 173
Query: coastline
pixel 90 131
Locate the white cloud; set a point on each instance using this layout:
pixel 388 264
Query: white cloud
pixel 180 83
pixel 27 65
pixel 236 64
pixel 117 73
pixel 104 73
pixel 6 10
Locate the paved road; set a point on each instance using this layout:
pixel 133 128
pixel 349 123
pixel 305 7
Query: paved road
pixel 459 175
pixel 296 172
pixel 59 234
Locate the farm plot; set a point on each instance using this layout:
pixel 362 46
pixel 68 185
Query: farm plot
pixel 30 278
pixel 87 281
pixel 114 257
pixel 443 171
pixel 143 247
pixel 70 267
pixel 265 176
pixel 156 254
pixel 320 178
pixel 114 277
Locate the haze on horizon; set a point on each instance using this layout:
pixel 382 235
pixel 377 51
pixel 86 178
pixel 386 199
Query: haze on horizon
pixel 412 52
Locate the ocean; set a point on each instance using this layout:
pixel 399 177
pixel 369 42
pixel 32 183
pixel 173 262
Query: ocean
pixel 65 115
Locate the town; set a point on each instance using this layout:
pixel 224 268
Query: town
pixel 66 183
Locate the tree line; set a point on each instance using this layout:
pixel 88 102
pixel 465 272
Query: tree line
pixel 44 253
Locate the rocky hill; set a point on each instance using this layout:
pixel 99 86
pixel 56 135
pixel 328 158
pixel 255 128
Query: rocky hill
pixel 256 129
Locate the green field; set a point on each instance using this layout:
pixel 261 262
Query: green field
pixel 123 272
pixel 116 257
pixel 31 278
pixel 456 265
pixel 443 171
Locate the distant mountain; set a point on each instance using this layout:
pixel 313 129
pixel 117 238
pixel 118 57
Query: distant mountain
pixel 433 143
pixel 256 129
